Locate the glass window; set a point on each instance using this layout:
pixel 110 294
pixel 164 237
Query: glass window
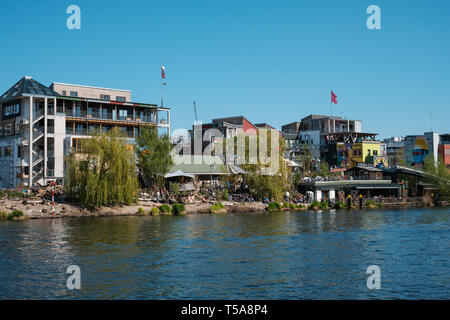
pixel 64 93
pixel 7 151
pixel 121 99
pixel 105 97
pixel 73 93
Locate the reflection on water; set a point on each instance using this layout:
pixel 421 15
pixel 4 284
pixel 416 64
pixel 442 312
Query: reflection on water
pixel 321 255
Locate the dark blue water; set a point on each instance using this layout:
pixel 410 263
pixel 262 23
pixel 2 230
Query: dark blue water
pixel 237 256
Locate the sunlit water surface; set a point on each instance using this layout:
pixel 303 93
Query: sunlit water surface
pixel 303 255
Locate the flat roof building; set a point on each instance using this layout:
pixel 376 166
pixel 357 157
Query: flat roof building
pixel 40 125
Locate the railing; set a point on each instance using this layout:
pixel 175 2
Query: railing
pixel 38 113
pixel 111 116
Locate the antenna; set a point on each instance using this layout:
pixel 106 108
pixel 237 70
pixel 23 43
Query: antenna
pixel 195 112
pixel 431 123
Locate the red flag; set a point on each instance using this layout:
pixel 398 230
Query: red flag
pixel 163 73
pixel 333 97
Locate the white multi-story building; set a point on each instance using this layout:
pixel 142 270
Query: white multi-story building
pixel 40 125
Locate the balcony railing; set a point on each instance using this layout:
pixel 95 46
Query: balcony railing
pixel 111 116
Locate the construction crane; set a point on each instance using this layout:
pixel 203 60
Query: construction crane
pixel 195 112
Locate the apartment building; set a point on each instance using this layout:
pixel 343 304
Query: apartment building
pixel 319 135
pixel 40 125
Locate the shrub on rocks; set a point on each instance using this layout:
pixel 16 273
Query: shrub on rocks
pixel 218 208
pixel 154 211
pixel 16 215
pixel 274 206
pixel 165 208
pixel 178 208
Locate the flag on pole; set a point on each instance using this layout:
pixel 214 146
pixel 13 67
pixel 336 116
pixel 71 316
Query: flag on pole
pixel 163 72
pixel 333 97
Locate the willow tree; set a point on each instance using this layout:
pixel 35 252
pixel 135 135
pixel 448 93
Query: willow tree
pixel 439 176
pixel 260 181
pixel 154 155
pixel 104 173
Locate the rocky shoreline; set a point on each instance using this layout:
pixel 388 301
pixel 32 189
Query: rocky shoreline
pixel 43 209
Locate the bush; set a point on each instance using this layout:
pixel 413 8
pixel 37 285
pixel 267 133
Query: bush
pixel 141 211
pixel 3 215
pixel 315 205
pixel 380 204
pixel 165 208
pixel 274 206
pixel 174 189
pixel 323 205
pixel 291 206
pixel 178 208
pixel 155 210
pixel 224 195
pixel 15 215
pixel 339 205
pixel 370 204
pixel 286 204
pixel 218 208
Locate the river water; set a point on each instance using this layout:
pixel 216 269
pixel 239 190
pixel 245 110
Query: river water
pixel 304 255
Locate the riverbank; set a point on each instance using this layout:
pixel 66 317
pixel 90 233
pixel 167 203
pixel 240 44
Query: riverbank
pixel 43 210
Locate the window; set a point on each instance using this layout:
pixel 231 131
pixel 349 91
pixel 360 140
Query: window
pixel 122 114
pixel 7 129
pixel 105 97
pixel 10 110
pixel 375 152
pixel 73 93
pixel 1 149
pixel 121 99
pixel 7 151
pixel 19 151
pixel 64 93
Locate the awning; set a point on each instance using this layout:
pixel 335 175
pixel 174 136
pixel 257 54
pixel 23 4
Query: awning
pixel 377 187
pixel 187 187
pixel 236 169
pixel 178 173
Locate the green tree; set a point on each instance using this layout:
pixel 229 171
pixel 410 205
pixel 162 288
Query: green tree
pixel 104 173
pixel 439 176
pixel 154 155
pixel 324 169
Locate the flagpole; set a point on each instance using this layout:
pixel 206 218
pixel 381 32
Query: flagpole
pixel 162 93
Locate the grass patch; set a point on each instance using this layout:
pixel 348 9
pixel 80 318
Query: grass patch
pixel 141 211
pixel 178 208
pixel 165 208
pixel 274 206
pixel 16 215
pixel 339 205
pixel 218 208
pixel 155 210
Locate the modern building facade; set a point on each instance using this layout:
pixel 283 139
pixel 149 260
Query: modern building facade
pixel 444 149
pixel 337 141
pixel 40 125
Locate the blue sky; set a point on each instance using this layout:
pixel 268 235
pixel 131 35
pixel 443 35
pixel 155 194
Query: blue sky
pixel 271 61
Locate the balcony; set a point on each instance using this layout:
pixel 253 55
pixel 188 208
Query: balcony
pixel 110 116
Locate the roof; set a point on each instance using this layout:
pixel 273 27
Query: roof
pixel 198 164
pixel 371 169
pixel 27 86
pixel 264 125
pixel 84 86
